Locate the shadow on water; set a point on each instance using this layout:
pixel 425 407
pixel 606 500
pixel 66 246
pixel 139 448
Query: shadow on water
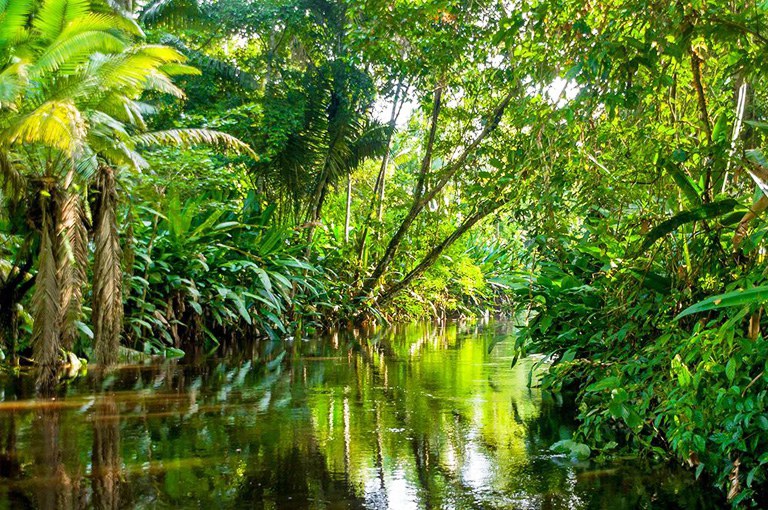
pixel 409 417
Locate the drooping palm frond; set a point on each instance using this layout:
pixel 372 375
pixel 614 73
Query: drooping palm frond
pixel 12 180
pixel 107 314
pixel 170 12
pixel 71 259
pixel 45 301
pixel 370 143
pixel 13 80
pixel 192 137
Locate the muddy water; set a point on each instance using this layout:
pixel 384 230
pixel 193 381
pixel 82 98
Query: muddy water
pixel 414 417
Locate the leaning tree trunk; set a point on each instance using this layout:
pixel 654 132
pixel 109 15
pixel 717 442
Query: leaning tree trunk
pixel 107 271
pixel 45 302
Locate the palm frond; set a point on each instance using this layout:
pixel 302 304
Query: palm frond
pixel 13 21
pixel 75 50
pixel 160 82
pixel 56 124
pixel 224 70
pixel 107 305
pixel 170 12
pixel 71 258
pixel 13 80
pixel 54 15
pixel 192 137
pixel 12 178
pixel 132 72
pixel 125 109
pixel 180 70
pixel 101 22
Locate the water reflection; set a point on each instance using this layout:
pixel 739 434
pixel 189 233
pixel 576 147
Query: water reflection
pixel 415 417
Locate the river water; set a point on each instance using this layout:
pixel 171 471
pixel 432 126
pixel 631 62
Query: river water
pixel 421 416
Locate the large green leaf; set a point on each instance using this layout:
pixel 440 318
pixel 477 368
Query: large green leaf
pixel 689 188
pixel 729 299
pixel 705 212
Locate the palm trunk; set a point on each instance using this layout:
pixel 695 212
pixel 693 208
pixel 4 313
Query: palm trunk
pixel 107 271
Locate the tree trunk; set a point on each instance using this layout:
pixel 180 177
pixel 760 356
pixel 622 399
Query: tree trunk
pixel 704 118
pixel 348 214
pixel 107 271
pixel 378 188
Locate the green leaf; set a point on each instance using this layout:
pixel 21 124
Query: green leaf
pixel 172 352
pixel 689 188
pixel 730 369
pixel 755 295
pixel 608 383
pixel 241 308
pixel 577 451
pixel 707 211
pixel 196 307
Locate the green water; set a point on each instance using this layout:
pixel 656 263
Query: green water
pixel 415 417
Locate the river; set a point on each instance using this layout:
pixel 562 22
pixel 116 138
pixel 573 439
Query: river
pixel 418 416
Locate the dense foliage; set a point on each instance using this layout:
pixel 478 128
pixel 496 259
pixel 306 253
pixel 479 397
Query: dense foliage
pixel 185 172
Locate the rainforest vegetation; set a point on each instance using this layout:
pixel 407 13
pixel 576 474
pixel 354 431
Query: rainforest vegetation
pixel 182 174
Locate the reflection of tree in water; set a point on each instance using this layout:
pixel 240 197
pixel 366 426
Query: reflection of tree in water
pixel 292 477
pixel 10 461
pixel 56 488
pixel 105 459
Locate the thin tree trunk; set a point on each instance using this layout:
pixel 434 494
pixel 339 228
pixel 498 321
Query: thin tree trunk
pixel 382 177
pixel 107 271
pixel 378 189
pixel 348 215
pixel 703 117
pixel 427 262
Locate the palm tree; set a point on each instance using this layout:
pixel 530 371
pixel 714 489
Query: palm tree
pixel 71 80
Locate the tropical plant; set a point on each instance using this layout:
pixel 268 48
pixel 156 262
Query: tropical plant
pixel 73 119
pixel 203 275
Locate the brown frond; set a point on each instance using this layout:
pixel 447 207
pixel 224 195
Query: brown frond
pixel 72 258
pixel 12 179
pixel 45 302
pixel 107 271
